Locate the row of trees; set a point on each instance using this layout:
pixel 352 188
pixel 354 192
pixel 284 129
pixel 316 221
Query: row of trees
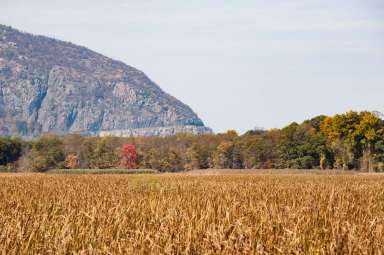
pixel 354 140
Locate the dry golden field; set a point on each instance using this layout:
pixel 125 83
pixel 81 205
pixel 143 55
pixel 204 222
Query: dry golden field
pixel 215 212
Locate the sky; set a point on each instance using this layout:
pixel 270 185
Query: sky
pixel 240 64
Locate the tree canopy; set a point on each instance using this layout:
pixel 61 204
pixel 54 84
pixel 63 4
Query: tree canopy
pixel 353 140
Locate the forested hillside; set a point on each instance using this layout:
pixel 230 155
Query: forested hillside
pixel 354 140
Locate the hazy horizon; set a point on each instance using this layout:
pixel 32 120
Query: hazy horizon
pixel 239 65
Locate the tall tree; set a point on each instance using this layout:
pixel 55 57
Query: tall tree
pixel 104 154
pixel 47 152
pixel 128 156
pixel 10 150
pixel 223 156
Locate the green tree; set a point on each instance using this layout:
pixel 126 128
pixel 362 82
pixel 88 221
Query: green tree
pixel 47 153
pixel 10 150
pixel 104 154
pixel 379 155
pixel 302 146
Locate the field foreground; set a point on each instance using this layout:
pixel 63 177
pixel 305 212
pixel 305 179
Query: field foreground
pixel 192 213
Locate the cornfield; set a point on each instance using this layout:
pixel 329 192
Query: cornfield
pixel 194 213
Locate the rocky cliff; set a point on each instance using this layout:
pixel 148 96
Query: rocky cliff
pixel 48 85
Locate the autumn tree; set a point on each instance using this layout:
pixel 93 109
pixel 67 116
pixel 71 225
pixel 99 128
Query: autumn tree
pixel 72 161
pixel 128 156
pixel 197 157
pixel 223 156
pixel 232 134
pixel 345 141
pixel 171 162
pixel 352 137
pixel 260 149
pixel 151 159
pixel 86 149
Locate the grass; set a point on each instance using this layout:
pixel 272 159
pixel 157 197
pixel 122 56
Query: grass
pixel 102 171
pixel 194 213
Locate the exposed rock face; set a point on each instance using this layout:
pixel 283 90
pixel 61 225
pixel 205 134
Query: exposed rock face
pixel 48 85
pixel 157 131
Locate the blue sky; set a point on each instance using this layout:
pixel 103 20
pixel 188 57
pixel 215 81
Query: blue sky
pixel 238 64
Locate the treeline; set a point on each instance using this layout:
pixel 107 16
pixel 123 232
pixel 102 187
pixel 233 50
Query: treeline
pixel 354 140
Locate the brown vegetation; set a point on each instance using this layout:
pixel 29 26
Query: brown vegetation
pixel 192 214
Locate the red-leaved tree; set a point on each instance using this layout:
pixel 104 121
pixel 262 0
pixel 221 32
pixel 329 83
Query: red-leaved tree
pixel 128 156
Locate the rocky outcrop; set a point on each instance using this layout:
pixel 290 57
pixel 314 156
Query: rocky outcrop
pixel 48 85
pixel 158 131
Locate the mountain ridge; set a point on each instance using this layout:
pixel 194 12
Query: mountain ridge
pixel 48 85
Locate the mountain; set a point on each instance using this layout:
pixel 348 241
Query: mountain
pixel 47 85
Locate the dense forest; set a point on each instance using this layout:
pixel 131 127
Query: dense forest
pixel 354 140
